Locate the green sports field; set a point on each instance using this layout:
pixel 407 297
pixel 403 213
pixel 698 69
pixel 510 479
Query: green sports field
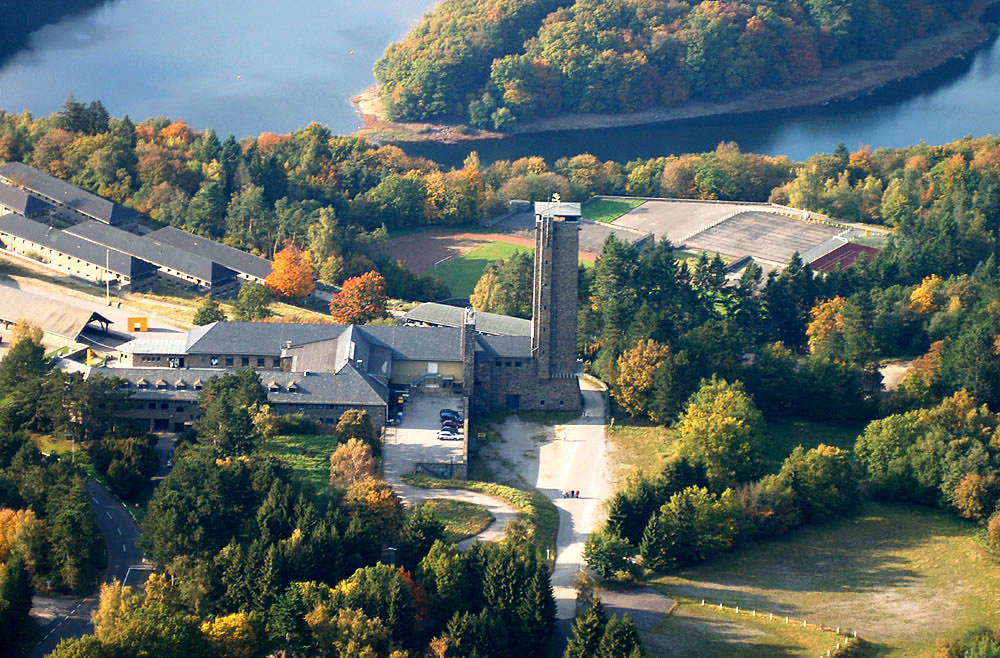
pixel 462 272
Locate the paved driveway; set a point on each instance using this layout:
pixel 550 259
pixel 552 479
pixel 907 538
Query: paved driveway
pixel 415 439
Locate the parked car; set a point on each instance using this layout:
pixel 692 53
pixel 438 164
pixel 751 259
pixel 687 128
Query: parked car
pixel 451 414
pixel 451 423
pixel 448 435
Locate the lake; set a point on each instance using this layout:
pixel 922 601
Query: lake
pixel 250 66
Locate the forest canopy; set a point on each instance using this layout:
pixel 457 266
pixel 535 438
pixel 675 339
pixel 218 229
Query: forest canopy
pixel 498 62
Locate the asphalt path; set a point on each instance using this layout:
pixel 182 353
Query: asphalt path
pixel 60 618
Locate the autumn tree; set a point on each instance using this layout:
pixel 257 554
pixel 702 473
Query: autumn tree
pixel 723 429
pixel 505 287
pixel 376 505
pixel 233 636
pixel 360 300
pixel 826 327
pixel 292 273
pixel 644 384
pixel 351 462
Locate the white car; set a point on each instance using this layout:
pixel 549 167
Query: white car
pixel 448 435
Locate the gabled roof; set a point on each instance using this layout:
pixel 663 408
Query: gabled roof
pixel 256 338
pixel 444 315
pixel 158 253
pixel 54 317
pixel 20 201
pixel 71 245
pixel 418 343
pixel 234 259
pixel 504 347
pixel 347 388
pixel 31 179
pixel 843 256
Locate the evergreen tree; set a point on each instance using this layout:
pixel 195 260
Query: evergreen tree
pixel 16 590
pixel 587 632
pixel 210 311
pixel 620 639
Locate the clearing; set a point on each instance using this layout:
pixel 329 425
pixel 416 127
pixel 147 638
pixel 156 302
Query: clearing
pixel 307 455
pixel 639 444
pixel 901 576
pixel 608 210
pixel 461 519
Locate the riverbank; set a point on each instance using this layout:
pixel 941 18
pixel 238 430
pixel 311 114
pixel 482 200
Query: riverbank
pixel 841 83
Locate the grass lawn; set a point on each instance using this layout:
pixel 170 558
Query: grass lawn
pixel 462 272
pixel 901 576
pixel 308 455
pixel 608 210
pixel 646 446
pixel 532 506
pixel 460 519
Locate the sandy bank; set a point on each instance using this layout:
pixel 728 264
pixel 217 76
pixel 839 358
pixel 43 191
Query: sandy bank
pixel 843 82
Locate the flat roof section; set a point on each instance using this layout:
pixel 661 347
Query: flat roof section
pixel 54 317
pixel 234 259
pixel 40 183
pixel 843 256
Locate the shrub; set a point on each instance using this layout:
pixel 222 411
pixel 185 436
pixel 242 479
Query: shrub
pixel 608 554
pixel 993 531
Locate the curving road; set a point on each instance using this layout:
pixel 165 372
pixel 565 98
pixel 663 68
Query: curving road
pixel 60 618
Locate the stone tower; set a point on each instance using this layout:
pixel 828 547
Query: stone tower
pixel 554 302
pixel 468 347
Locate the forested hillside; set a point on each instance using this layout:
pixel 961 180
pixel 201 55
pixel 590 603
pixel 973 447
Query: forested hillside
pixel 495 63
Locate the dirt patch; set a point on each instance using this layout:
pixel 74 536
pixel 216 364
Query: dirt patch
pixel 421 252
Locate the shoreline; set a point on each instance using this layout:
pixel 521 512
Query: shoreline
pixel 845 82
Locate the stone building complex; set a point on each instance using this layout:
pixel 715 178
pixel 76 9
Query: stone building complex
pixel 322 370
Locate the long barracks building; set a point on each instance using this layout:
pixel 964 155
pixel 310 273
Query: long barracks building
pixel 322 370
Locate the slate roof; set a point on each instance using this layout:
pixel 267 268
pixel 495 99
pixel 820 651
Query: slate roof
pixel 444 315
pixel 54 317
pixel 20 201
pixel 256 338
pixel 47 186
pixel 162 255
pixel 349 387
pixel 234 259
pixel 418 343
pixel 504 347
pixel 71 245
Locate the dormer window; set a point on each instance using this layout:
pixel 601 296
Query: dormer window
pixel 161 384
pixel 292 387
pixel 197 385
pixel 141 383
pixel 273 386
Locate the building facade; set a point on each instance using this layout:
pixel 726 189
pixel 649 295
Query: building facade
pixel 321 370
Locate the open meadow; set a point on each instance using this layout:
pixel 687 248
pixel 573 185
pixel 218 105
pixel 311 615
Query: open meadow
pixel 901 576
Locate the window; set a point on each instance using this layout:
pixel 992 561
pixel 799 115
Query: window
pixel 229 361
pixel 152 405
pixel 213 361
pixel 260 362
pixel 542 403
pixel 508 364
pixel 245 361
pixel 164 405
pixel 432 368
pixel 517 364
pixel 497 364
pixel 276 362
pixel 179 409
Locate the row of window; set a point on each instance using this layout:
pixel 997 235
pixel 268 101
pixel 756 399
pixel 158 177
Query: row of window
pixel 515 364
pixel 245 361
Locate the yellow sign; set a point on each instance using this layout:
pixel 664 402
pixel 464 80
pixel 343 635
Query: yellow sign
pixel 481 435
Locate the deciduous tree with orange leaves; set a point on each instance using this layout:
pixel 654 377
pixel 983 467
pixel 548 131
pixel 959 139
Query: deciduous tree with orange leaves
pixel 361 299
pixel 292 273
